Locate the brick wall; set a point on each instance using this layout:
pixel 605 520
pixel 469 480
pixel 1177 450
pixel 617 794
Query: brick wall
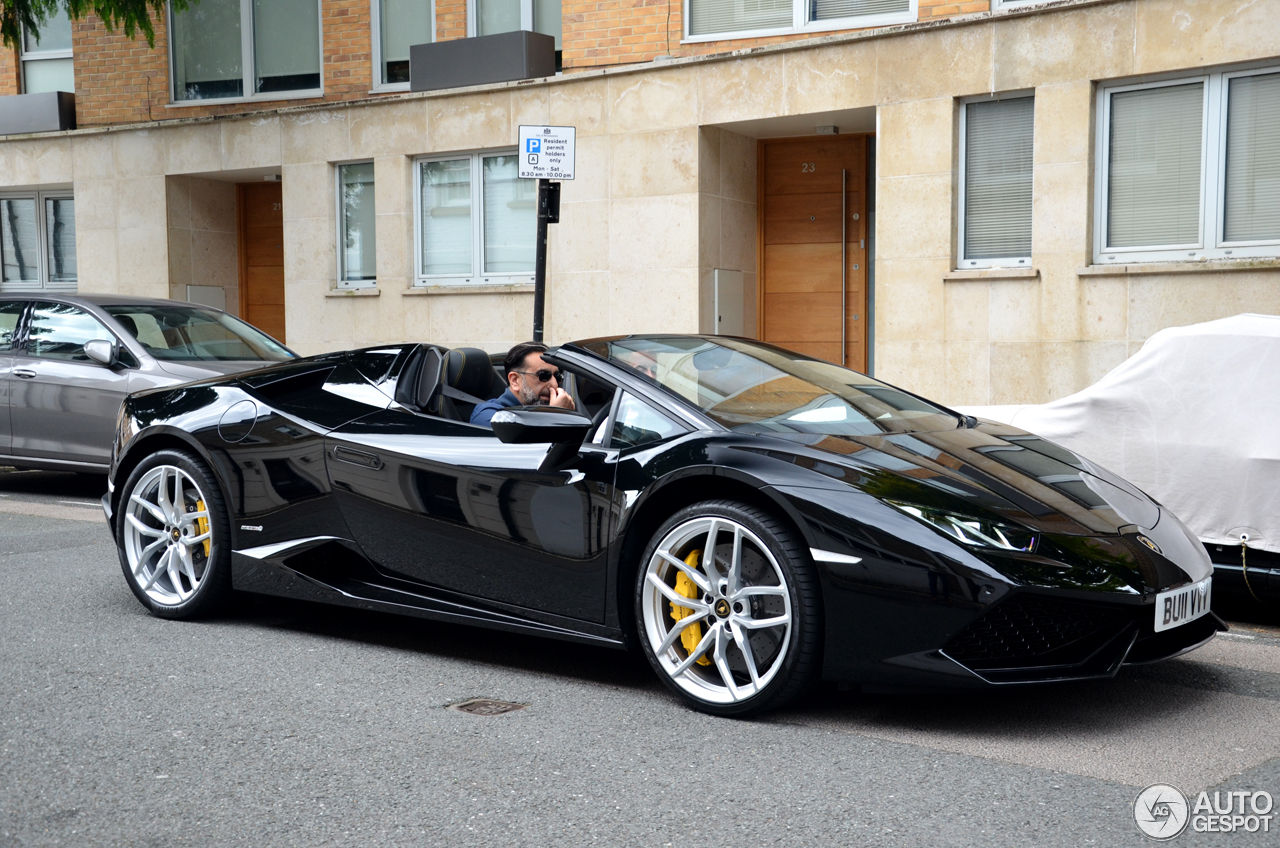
pixel 600 33
pixel 10 80
pixel 451 19
pixel 119 80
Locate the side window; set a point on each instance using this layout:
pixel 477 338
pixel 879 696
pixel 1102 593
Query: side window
pixel 637 424
pixel 59 331
pixel 10 312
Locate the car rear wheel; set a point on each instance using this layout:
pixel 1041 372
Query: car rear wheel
pixel 735 632
pixel 172 536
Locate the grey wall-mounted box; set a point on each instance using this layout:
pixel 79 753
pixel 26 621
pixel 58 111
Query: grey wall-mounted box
pixel 478 61
pixel 48 111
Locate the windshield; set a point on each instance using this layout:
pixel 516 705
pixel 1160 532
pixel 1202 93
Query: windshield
pixel 189 333
pixel 755 387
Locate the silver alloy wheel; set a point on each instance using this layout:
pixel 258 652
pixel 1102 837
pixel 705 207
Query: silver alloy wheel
pixel 743 610
pixel 163 537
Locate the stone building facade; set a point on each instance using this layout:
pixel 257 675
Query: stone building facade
pixel 673 193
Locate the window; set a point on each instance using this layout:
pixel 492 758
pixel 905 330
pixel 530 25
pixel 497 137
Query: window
pixel 258 49
pixel 357 241
pixel 10 313
pixel 636 423
pixel 46 59
pixel 490 17
pixel 38 241
pixel 1190 168
pixel 186 333
pixel 59 331
pixel 398 25
pixel 477 221
pixel 710 20
pixel 995 182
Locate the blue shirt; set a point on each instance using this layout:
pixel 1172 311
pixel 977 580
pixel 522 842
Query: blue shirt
pixel 483 413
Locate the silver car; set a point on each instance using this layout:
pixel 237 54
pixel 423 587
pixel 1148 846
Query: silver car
pixel 67 362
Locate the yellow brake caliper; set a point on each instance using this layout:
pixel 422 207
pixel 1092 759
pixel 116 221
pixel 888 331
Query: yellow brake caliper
pixel 692 634
pixel 202 524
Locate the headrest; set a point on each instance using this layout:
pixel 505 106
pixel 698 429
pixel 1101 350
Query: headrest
pixel 467 369
pixel 130 326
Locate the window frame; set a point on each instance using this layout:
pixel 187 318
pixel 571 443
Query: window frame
pixel 1213 164
pixel 247 69
pixel 375 18
pixel 25 56
pixel 42 240
pixel 962 153
pixel 340 211
pixel 800 22
pixel 477 277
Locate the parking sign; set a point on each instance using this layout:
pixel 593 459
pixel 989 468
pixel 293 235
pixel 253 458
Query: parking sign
pixel 546 153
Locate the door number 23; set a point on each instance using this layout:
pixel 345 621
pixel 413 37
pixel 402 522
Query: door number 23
pixel 808 167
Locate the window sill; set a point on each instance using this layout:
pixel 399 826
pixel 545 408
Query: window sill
pixel 274 97
pixel 1195 267
pixel 812 28
pixel 516 288
pixel 367 291
pixel 992 274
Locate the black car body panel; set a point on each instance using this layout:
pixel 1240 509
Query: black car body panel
pixel 342 490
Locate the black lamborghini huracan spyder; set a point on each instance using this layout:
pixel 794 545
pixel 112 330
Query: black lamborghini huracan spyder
pixel 750 517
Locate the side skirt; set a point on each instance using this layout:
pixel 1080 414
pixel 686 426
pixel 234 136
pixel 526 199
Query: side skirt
pixel 283 570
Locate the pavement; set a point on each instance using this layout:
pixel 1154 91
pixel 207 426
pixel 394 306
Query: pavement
pixel 286 723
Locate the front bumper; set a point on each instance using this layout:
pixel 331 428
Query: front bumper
pixel 1030 638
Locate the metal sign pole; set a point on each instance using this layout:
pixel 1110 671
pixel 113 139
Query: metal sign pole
pixel 540 263
pixel 548 213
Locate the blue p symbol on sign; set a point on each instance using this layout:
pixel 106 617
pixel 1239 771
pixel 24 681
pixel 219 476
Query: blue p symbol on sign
pixel 533 145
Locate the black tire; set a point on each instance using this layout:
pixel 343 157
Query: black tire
pixel 149 574
pixel 776 580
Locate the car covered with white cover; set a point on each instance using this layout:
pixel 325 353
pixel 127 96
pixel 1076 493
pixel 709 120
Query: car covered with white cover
pixel 1193 419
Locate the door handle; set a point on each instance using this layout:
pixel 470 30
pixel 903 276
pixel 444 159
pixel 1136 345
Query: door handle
pixel 355 457
pixel 24 373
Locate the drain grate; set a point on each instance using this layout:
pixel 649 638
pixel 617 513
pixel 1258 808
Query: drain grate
pixel 486 707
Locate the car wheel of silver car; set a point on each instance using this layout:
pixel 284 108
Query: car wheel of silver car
pixel 172 535
pixel 728 609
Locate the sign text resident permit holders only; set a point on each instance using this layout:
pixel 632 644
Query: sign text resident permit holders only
pixel 546 153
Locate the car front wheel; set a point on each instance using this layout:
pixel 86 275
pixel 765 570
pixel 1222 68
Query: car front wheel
pixel 728 607
pixel 172 536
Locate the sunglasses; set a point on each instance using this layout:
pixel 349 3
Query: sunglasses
pixel 544 375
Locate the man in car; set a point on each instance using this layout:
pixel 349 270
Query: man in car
pixel 530 382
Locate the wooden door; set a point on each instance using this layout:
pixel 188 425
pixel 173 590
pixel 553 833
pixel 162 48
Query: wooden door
pixel 805 183
pixel 262 257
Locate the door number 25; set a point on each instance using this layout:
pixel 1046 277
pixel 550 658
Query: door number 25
pixel 808 167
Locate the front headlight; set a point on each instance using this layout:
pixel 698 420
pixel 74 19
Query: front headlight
pixel 974 532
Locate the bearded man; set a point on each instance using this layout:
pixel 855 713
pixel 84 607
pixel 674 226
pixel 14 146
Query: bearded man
pixel 530 382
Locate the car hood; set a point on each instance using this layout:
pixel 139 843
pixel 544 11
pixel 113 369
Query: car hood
pixel 989 469
pixel 205 368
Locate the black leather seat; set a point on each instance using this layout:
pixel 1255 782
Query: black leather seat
pixel 468 372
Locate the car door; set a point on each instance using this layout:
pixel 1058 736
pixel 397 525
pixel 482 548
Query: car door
pixel 443 503
pixel 10 316
pixel 63 405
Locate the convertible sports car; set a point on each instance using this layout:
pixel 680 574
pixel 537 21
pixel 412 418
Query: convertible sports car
pixel 749 517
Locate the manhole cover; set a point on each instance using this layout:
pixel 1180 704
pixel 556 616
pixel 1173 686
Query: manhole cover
pixel 486 707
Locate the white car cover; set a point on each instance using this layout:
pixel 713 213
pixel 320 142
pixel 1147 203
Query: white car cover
pixel 1193 419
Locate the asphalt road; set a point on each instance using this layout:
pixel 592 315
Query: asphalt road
pixel 286 723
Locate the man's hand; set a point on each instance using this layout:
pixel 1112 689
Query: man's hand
pixel 560 398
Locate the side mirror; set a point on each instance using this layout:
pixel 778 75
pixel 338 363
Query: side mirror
pixel 102 352
pixel 531 425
